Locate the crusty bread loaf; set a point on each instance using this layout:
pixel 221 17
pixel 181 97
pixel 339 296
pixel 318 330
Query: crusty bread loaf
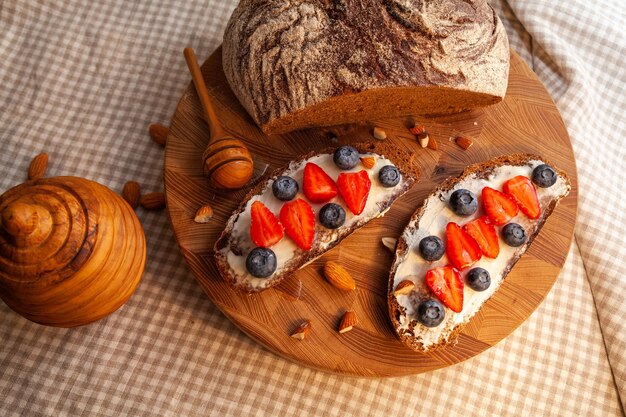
pixel 302 63
pixel 410 331
pixel 237 249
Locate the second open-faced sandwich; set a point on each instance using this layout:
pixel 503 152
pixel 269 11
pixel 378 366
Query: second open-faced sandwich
pixel 461 244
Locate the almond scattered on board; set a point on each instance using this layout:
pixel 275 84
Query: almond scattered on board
pixel 417 129
pixel 368 161
pixel 302 330
pixel 432 144
pixel 390 243
pixel 338 276
pixel 204 214
pixel 131 193
pixel 379 133
pixel 348 321
pixel 158 133
pixel 153 201
pixel 38 166
pixel 404 287
pixel 464 142
pixel 423 139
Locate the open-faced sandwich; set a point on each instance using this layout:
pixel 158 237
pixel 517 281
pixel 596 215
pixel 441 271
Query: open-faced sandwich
pixel 306 209
pixel 460 245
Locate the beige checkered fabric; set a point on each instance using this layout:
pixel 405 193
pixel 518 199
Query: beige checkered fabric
pixel 81 80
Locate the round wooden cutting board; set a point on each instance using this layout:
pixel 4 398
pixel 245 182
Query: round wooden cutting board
pixel 526 121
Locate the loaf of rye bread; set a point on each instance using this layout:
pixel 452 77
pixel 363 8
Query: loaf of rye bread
pixel 300 63
pixel 325 239
pixel 410 331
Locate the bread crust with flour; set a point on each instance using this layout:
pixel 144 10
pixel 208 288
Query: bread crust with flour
pixel 300 63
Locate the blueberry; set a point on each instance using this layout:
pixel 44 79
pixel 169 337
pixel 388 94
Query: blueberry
pixel 514 234
pixel 332 215
pixel 463 202
pixel 478 279
pixel 544 176
pixel 285 188
pixel 389 176
pixel 346 157
pixel 430 313
pixel 261 262
pixel 431 248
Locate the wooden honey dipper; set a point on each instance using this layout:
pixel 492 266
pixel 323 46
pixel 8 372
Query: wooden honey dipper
pixel 227 161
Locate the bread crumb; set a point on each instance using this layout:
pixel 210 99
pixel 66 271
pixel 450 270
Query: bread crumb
pixel 379 133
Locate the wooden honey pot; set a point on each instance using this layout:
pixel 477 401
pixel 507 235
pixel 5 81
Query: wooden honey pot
pixel 71 251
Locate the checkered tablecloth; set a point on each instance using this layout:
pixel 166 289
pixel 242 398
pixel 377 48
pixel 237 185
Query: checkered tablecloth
pixel 82 80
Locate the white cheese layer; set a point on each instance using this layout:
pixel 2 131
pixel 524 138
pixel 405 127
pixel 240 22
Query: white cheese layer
pixel 433 221
pixel 286 249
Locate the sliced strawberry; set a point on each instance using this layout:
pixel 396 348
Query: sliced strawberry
pixel 499 206
pixel 461 249
pixel 354 187
pixel 525 195
pixel 317 186
pixel 265 229
pixel 299 222
pixel 484 233
pixel 445 282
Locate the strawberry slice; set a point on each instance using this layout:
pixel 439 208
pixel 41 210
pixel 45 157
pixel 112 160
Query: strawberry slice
pixel 354 187
pixel 485 235
pixel 265 229
pixel 445 282
pixel 317 186
pixel 298 220
pixel 461 249
pixel 499 206
pixel 525 195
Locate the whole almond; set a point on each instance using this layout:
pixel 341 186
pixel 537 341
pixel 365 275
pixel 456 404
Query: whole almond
pixel 204 214
pixel 417 129
pixel 131 193
pixel 38 166
pixel 338 276
pixel 348 321
pixel 153 201
pixel 158 133
pixel 302 330
pixel 368 161
pixel 404 287
pixel 390 243
pixel 432 144
pixel 464 142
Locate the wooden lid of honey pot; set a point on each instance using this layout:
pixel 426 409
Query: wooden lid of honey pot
pixel 71 251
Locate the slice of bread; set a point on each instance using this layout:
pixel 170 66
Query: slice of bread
pixel 431 219
pixel 233 246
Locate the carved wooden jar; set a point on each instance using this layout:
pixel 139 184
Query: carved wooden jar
pixel 71 251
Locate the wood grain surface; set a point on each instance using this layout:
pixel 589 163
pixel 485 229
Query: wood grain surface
pixel 526 121
pixel 71 251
